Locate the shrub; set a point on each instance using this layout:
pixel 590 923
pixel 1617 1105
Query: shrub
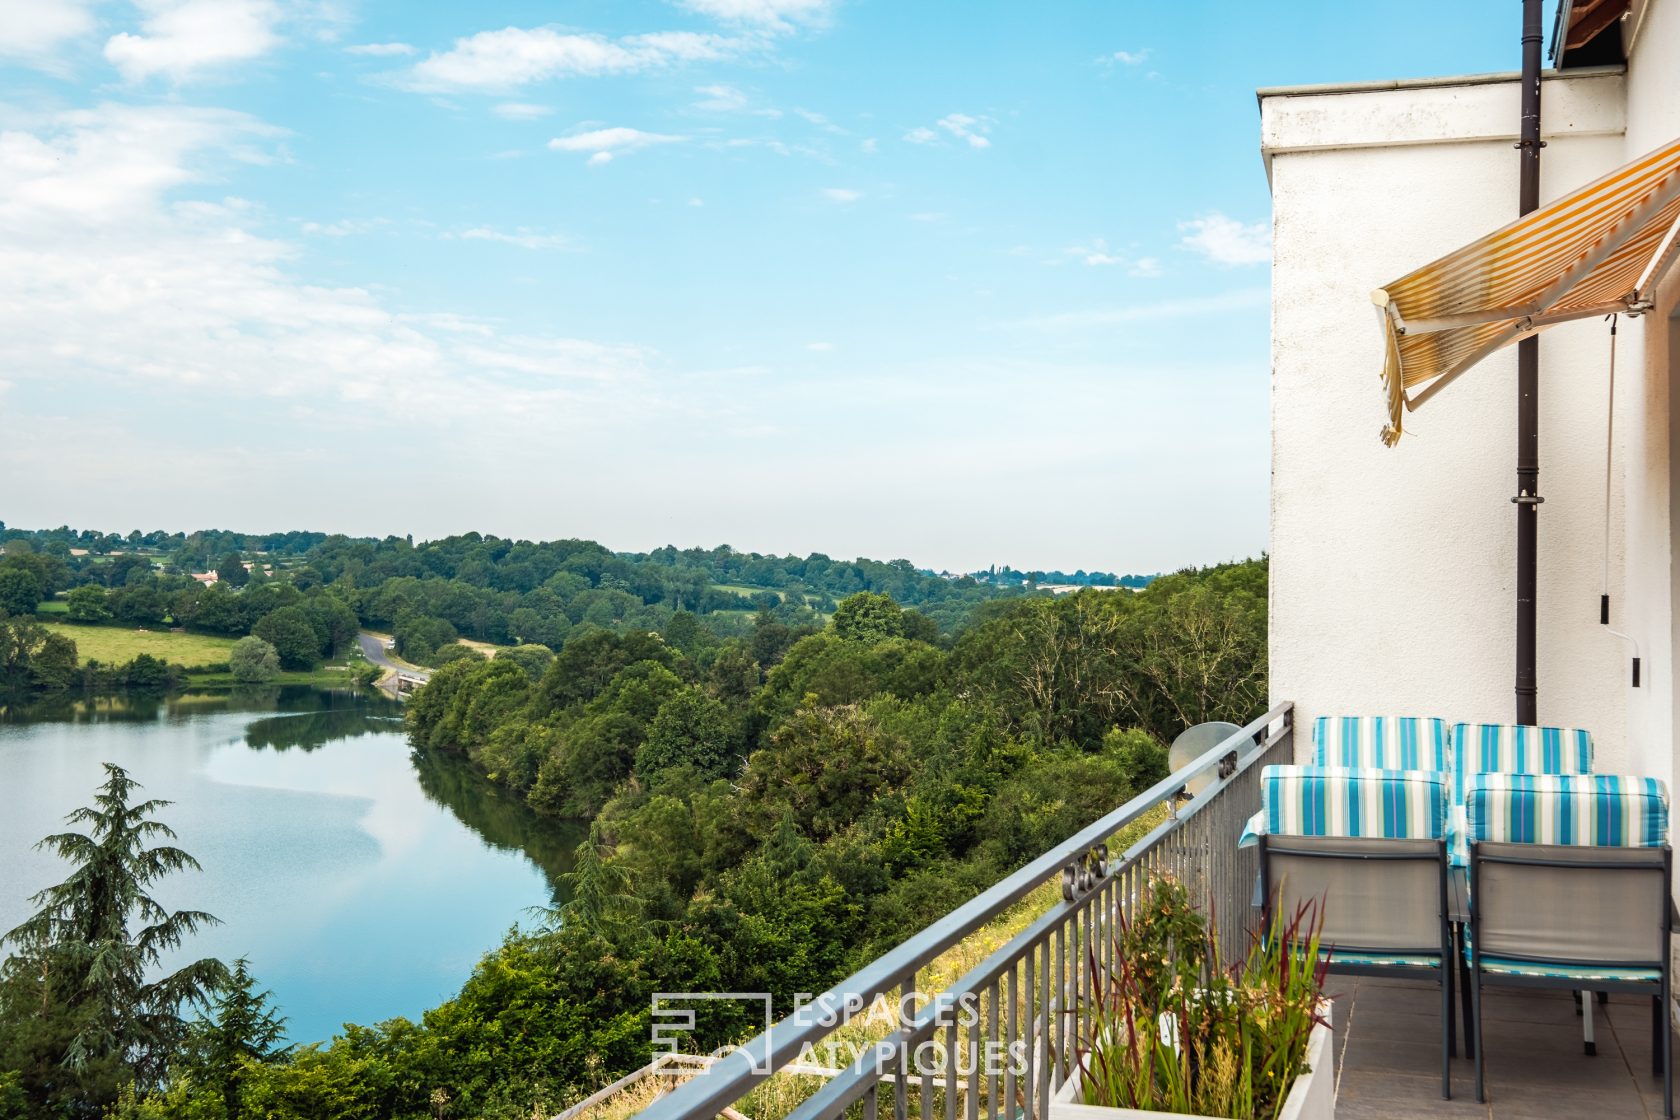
pixel 253 661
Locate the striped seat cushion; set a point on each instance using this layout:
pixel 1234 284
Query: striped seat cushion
pixel 1487 748
pixel 1594 810
pixel 1511 966
pixel 1381 742
pixel 1346 801
pixel 1383 960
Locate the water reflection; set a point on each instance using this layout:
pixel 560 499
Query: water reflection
pixel 308 731
pixel 363 879
pixel 499 816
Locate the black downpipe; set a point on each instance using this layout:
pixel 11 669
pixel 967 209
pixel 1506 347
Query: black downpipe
pixel 1528 391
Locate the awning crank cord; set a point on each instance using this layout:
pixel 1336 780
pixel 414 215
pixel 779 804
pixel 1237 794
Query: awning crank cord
pixel 1609 452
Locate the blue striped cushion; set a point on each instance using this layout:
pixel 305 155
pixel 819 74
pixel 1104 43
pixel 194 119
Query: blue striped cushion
pixel 1344 801
pixel 1511 966
pixel 1385 960
pixel 1593 810
pixel 1487 748
pixel 1568 971
pixel 1383 742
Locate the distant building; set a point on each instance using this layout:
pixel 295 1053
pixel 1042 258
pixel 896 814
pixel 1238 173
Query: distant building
pixel 206 578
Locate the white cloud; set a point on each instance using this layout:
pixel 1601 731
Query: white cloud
pixel 31 31
pixel 1098 254
pixel 606 143
pixel 520 111
pixel 820 121
pixel 720 99
pixel 958 126
pixel 1130 58
pixel 869 146
pixel 182 39
pixel 524 237
pixel 381 50
pixel 842 195
pixel 697 202
pixel 774 15
pixel 517 56
pixel 1227 241
pixel 110 283
pixel 965 127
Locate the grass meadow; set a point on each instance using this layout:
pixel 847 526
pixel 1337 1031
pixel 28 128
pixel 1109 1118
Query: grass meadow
pixel 113 645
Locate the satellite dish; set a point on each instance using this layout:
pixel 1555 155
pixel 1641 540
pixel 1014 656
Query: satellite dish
pixel 1191 744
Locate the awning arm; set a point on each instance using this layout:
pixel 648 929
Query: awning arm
pixel 1660 260
pixel 1512 333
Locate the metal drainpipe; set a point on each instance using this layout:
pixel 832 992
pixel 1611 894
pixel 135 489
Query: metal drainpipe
pixel 1528 390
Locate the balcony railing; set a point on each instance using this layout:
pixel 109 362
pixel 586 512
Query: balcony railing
pixel 1000 1040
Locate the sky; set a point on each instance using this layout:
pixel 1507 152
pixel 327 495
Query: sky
pixel 960 282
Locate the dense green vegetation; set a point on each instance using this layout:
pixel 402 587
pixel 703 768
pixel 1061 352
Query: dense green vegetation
pixel 772 795
pixel 286 587
pixel 765 812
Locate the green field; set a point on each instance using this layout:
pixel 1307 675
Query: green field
pixel 114 645
pixel 52 606
pixel 743 589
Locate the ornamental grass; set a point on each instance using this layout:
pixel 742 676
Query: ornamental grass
pixel 1172 1028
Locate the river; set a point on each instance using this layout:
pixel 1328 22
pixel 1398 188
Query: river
pixel 362 881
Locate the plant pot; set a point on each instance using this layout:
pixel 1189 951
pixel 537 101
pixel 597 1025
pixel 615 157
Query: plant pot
pixel 1312 1097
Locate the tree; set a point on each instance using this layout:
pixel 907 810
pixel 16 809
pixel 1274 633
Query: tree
pixel 690 728
pixel 868 617
pixel 253 660
pixel 335 623
pixel 601 901
pixel 291 633
pixel 89 604
pixel 31 656
pixel 82 1016
pixel 20 590
pixel 52 664
pixel 534 659
pixel 245 1030
pixel 232 570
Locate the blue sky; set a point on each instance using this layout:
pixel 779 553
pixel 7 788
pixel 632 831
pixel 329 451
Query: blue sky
pixel 960 282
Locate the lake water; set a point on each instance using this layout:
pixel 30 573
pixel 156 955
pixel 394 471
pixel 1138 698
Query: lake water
pixel 363 882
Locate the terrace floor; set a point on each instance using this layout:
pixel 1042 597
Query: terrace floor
pixel 1388 1056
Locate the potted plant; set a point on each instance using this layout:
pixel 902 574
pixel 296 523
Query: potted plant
pixel 1172 1031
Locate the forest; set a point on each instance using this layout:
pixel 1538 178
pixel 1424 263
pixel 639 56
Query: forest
pixel 307 593
pixel 766 811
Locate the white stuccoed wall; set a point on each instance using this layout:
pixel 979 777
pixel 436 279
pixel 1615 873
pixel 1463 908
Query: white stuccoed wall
pixel 1653 118
pixel 1392 570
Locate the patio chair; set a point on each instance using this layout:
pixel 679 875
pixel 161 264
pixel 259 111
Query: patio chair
pixel 1382 742
pixel 1503 748
pixel 1371 844
pixel 1570 878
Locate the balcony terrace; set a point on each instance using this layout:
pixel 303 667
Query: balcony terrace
pixel 1388 1061
pixel 1032 993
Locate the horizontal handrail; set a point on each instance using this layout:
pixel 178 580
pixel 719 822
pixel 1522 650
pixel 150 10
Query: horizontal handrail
pixel 734 1075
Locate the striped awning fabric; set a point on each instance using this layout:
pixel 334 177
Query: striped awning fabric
pixel 1597 251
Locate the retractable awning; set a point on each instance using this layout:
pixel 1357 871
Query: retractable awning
pixel 1598 251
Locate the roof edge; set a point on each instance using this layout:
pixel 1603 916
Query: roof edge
pixel 1333 88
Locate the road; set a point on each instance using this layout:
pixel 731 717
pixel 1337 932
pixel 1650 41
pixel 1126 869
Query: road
pixel 374 649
